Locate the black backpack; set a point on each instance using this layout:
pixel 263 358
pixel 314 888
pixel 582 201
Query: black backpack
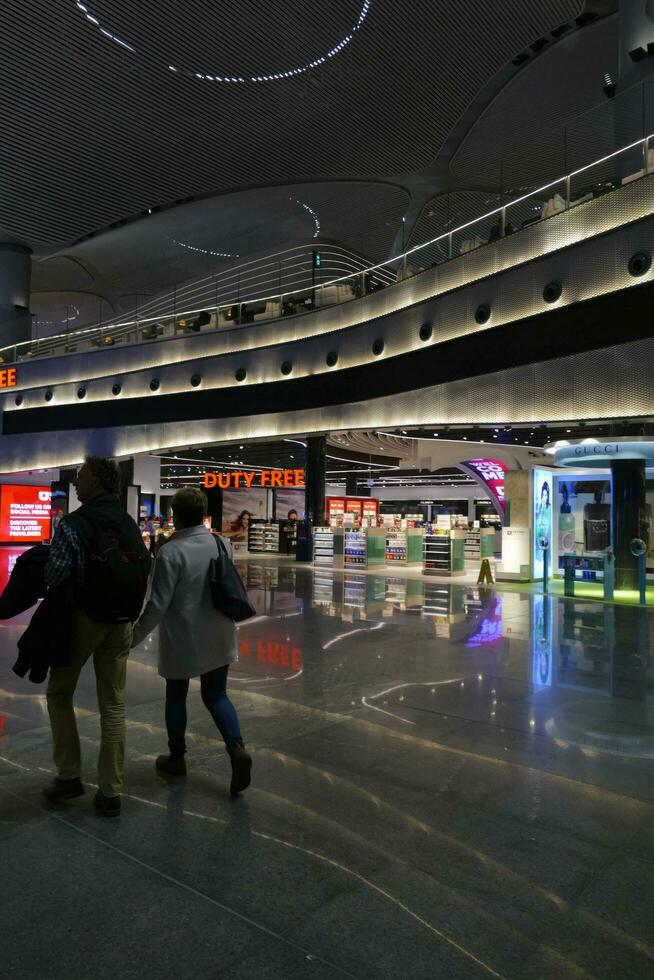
pixel 116 569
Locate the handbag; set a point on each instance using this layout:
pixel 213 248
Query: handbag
pixel 228 593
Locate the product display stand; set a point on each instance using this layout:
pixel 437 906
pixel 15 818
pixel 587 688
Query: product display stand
pixel 263 537
pixel 365 547
pixel 444 553
pixel 255 536
pixel 327 547
pixel 404 547
pixel 479 543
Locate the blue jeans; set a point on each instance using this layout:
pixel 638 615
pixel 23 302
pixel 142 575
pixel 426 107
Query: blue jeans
pixel 214 696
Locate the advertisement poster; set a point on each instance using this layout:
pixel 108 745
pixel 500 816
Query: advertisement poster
pixel 542 520
pixel 490 474
pixel 289 505
pixel 239 508
pixel 24 514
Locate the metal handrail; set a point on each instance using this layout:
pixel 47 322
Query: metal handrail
pixel 362 281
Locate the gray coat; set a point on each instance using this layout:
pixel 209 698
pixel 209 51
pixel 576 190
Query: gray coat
pixel 193 636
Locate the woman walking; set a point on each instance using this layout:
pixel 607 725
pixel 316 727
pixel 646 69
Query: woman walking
pixel 195 639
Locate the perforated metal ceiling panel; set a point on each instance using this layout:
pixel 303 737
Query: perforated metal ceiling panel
pixel 100 127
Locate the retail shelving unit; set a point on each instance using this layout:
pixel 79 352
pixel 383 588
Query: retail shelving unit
pixel 444 553
pixel 479 543
pixel 327 547
pixel 271 538
pixel 365 547
pixel 263 537
pixel 472 545
pixel 255 535
pixel 404 547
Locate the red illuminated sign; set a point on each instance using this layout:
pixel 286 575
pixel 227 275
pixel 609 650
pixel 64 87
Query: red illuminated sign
pixel 8 378
pixel 244 479
pixel 337 506
pixel 24 513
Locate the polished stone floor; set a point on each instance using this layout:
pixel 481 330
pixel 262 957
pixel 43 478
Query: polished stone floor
pixel 448 782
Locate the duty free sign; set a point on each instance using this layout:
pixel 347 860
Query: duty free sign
pixel 244 479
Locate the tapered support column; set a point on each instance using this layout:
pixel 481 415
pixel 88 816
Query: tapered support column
pixel 314 494
pixel 628 518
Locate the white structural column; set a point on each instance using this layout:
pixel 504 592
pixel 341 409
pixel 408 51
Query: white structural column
pixel 15 282
pixel 147 476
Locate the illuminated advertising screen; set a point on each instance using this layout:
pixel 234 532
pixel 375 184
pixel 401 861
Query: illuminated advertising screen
pixel 542 520
pixel 24 514
pixel 490 474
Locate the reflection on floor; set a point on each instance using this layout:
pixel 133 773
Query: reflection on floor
pixel 449 782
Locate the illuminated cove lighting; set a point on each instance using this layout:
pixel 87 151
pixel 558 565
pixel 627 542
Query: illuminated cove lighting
pixel 228 77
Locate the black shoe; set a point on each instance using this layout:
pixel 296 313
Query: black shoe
pixel 63 789
pixel 241 769
pixel 171 765
pixel 107 806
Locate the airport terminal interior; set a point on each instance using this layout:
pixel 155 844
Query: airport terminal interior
pixel 376 278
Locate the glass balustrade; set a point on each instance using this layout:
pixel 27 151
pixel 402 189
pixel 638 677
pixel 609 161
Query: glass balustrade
pixel 280 286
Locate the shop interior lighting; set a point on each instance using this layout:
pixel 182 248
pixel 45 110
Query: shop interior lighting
pixel 227 77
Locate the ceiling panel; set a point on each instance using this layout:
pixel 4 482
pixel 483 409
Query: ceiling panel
pixel 100 128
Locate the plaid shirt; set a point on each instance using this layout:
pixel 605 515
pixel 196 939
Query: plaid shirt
pixel 67 556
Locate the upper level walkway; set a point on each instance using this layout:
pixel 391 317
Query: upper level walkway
pixel 547 320
pixel 194 311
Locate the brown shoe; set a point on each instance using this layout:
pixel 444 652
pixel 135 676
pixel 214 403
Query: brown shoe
pixel 241 769
pixel 171 765
pixel 63 789
pixel 107 806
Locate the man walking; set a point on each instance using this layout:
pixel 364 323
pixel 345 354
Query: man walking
pixel 99 551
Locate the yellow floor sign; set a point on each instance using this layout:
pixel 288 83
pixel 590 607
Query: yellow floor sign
pixel 485 574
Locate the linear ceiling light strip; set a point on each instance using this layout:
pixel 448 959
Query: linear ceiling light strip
pixel 228 77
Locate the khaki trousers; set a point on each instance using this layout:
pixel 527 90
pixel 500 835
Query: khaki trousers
pixel 109 643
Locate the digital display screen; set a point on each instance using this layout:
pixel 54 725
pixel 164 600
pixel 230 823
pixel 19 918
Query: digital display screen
pixel 490 473
pixel 24 514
